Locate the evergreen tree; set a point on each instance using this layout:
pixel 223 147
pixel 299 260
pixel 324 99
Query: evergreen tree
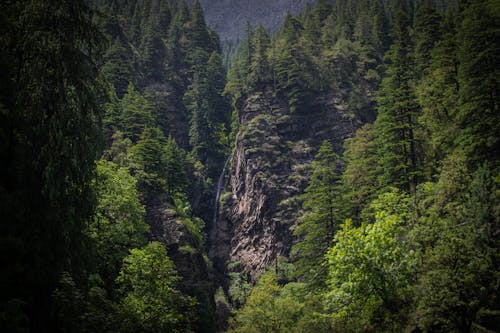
pixel 478 75
pixel 198 33
pixel 153 54
pixel 175 173
pixel 260 70
pixel 316 228
pixel 358 179
pixel 426 34
pixel 289 64
pixel 118 67
pixel 398 163
pixel 147 163
pixel 50 123
pixel 136 114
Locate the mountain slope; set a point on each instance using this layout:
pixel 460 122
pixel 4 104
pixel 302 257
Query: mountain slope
pixel 228 17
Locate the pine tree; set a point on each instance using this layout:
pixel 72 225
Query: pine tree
pixel 291 78
pixel 316 228
pixel 136 114
pixel 198 33
pixel 197 103
pixel 219 108
pixel 260 70
pixel 118 67
pixel 398 163
pixel 426 34
pixel 175 173
pixel 147 163
pixel 358 179
pixel 50 122
pixel 478 79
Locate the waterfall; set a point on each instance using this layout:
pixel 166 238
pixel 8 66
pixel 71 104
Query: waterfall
pixel 220 183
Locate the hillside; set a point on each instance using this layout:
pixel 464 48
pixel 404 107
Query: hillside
pixel 341 173
pixel 228 17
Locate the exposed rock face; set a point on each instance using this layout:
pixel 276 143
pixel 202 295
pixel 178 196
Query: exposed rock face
pixel 271 165
pixel 228 17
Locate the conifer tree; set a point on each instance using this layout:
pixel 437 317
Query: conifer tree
pixel 316 228
pixel 289 64
pixel 49 130
pixel 118 67
pixel 398 163
pixel 136 114
pixel 478 79
pixel 426 34
pixel 219 109
pixel 260 70
pixel 175 173
pixel 358 179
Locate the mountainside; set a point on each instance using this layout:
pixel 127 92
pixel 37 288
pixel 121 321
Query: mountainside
pixel 334 171
pixel 228 17
pixel 270 167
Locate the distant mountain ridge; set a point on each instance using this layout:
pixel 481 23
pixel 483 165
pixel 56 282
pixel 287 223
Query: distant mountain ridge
pixel 228 17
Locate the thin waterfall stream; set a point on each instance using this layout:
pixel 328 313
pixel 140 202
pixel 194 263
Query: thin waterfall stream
pixel 220 183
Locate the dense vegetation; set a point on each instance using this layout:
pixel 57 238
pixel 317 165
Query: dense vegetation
pixel 401 233
pixel 111 111
pixel 115 120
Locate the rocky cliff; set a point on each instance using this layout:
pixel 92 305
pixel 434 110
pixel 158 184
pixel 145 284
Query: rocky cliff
pixel 269 168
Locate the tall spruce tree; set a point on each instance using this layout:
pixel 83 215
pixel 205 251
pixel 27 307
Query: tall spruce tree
pixel 398 163
pixel 322 216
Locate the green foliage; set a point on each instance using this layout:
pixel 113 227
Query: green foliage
pixel 394 129
pixel 317 226
pixel 358 179
pixel 267 309
pixel 146 162
pixel 260 69
pixel 49 133
pixel 459 251
pixel 478 73
pixel 136 114
pixel 118 68
pixel 371 269
pixel 118 224
pixel 148 280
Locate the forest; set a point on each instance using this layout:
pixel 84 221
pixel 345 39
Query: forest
pixel 338 174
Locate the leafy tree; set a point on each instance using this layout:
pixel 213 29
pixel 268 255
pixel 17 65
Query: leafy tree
pixel 148 280
pixel 371 270
pixel 268 309
pixel 118 224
